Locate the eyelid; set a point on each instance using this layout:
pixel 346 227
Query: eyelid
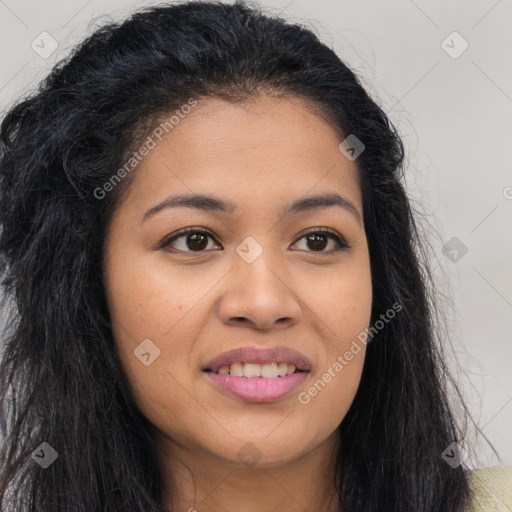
pixel 184 231
pixel 339 239
pixel 322 229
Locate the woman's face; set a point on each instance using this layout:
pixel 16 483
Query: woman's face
pixel 248 277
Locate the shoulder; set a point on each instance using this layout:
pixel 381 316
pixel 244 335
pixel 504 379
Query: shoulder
pixel 491 489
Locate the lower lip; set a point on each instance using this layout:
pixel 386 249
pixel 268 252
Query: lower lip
pixel 258 389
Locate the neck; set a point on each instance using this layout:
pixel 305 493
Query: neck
pixel 194 481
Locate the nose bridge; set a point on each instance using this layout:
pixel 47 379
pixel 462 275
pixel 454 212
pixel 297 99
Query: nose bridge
pixel 258 291
pixel 258 267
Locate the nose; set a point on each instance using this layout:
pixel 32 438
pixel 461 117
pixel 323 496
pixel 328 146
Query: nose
pixel 260 295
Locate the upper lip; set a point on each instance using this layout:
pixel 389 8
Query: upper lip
pixel 257 355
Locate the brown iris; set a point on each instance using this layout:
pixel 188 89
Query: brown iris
pixel 197 241
pixel 319 241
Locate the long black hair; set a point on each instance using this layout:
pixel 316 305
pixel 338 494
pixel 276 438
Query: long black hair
pixel 60 377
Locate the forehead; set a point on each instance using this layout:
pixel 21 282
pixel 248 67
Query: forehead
pixel 263 123
pixel 270 147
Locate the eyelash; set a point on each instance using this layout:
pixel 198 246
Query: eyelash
pixel 342 244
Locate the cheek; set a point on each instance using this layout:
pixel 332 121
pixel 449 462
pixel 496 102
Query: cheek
pixel 150 298
pixel 343 303
pixel 148 308
pixel 333 386
pixel 148 302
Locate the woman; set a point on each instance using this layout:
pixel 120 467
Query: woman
pixel 220 297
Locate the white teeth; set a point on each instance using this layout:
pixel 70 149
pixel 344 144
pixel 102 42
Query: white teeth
pixel 237 370
pixel 251 370
pixel 282 369
pixel 291 369
pixel 269 371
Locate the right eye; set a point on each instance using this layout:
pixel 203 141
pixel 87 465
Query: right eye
pixel 193 239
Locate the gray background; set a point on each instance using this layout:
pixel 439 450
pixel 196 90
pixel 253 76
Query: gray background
pixel 454 113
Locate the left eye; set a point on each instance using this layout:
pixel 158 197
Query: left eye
pixel 319 239
pixel 197 241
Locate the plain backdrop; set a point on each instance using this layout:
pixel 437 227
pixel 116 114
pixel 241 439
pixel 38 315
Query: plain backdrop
pixel 442 71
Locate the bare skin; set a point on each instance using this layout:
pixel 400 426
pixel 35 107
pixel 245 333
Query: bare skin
pixel 219 452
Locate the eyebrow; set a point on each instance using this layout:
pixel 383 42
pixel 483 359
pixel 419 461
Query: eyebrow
pixel 209 203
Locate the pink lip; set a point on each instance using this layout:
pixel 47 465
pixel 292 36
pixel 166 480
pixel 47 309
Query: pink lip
pixel 260 356
pixel 258 389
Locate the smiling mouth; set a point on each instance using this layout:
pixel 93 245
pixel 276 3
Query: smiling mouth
pixel 254 370
pixel 258 383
